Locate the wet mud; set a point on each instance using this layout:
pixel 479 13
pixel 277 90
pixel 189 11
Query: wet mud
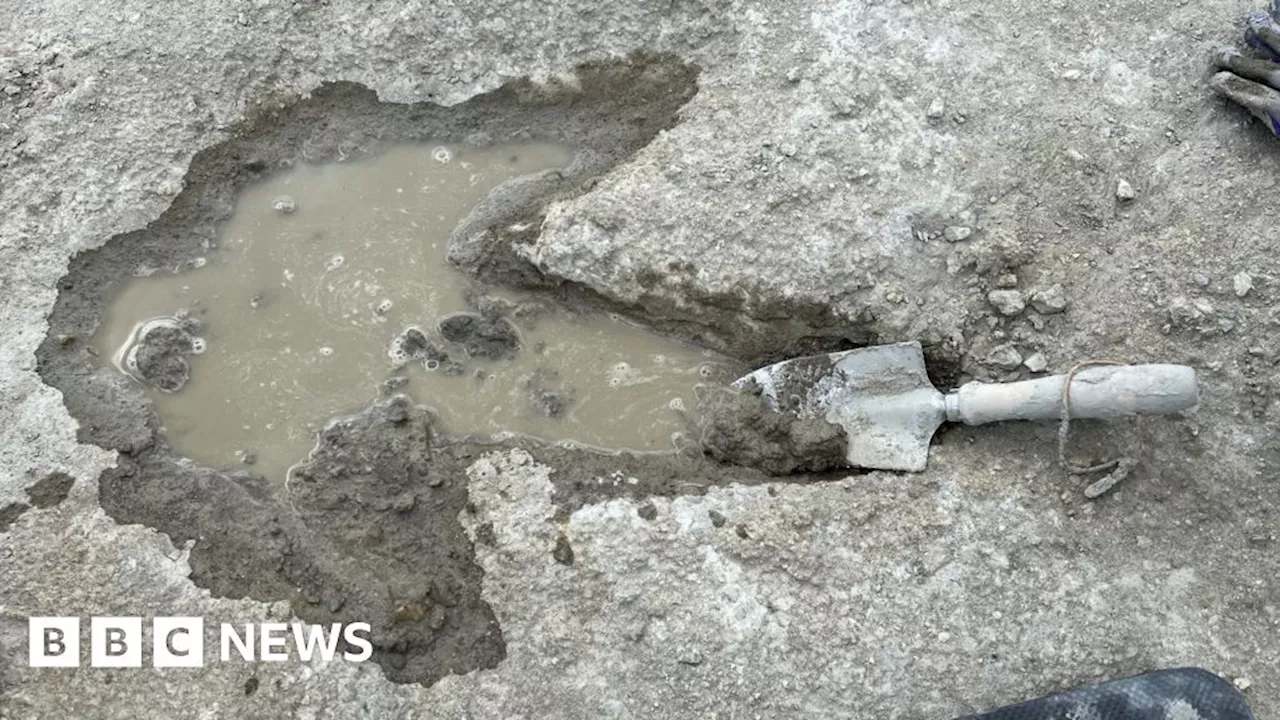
pixel 367 530
pixel 737 427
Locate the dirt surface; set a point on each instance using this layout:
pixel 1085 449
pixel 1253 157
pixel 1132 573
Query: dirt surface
pixel 1019 186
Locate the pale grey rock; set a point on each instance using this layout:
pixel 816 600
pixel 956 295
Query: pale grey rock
pixel 1007 302
pixel 1050 300
pixel 1242 283
pixel 1004 357
pixel 285 204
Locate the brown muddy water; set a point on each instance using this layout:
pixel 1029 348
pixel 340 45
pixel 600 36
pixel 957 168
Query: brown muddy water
pixel 329 286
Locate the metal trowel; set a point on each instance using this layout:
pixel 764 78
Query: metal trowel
pixel 889 409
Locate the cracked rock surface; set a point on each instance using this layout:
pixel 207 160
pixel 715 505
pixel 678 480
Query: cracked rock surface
pixel 810 196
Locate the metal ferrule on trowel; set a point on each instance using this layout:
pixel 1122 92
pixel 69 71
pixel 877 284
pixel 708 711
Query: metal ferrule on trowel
pixel 889 409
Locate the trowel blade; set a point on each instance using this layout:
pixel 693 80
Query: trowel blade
pixel 880 395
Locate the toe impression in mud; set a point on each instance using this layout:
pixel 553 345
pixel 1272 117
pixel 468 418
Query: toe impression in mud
pixel 890 410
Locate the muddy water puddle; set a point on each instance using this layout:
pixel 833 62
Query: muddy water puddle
pixel 329 286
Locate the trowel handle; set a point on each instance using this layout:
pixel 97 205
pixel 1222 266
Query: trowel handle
pixel 1096 392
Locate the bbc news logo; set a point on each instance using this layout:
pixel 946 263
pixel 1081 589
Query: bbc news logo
pixel 117 642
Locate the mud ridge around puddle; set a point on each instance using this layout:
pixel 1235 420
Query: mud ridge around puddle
pixel 368 531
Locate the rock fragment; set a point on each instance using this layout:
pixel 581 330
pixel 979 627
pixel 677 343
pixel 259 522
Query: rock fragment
pixel 1050 300
pixel 1036 362
pixel 1007 302
pixel 284 204
pixel 1242 283
pixel 957 233
pixel 937 109
pixel 563 551
pixel 1005 357
pixel 1125 191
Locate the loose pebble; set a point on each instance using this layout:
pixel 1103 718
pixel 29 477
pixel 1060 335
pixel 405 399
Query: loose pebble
pixel 1125 191
pixel 1008 303
pixel 957 233
pixel 1036 362
pixel 1242 683
pixel 1050 300
pixel 1005 357
pixel 937 109
pixel 284 204
pixel 1242 283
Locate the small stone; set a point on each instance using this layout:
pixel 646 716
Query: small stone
pixel 689 656
pixel 1007 281
pixel 794 74
pixel 1008 303
pixel 66 339
pixel 12 90
pixel 1072 74
pixel 717 519
pixel 562 552
pixel 1125 191
pixel 249 458
pixel 788 149
pixel 1050 300
pixel 957 233
pixel 937 109
pixel 284 204
pixel 1036 362
pixel 410 612
pixel 1005 357
pixel 1242 283
pixel 647 511
pixel 1200 278
pixel 1242 683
